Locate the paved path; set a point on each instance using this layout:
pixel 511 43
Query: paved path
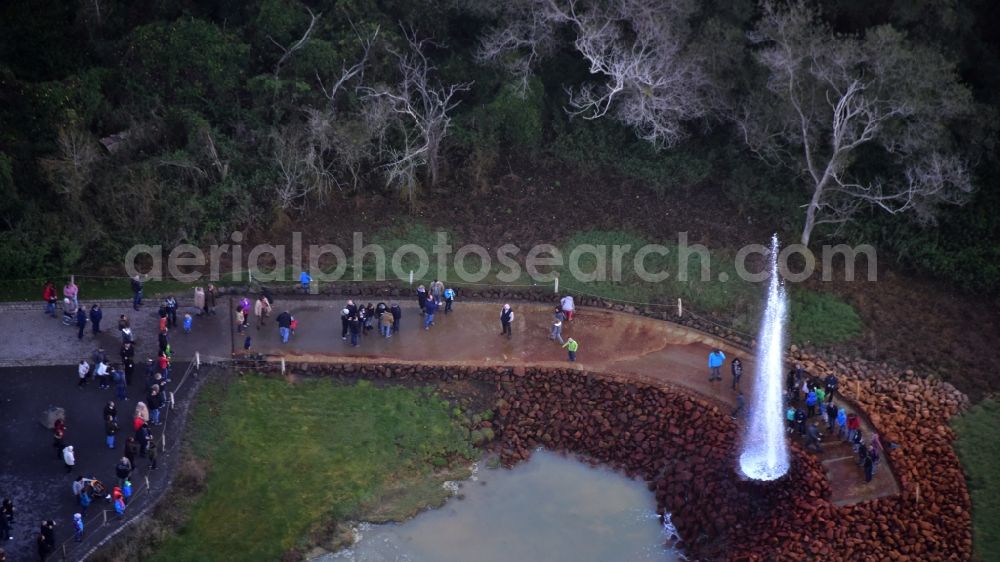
pixel 647 349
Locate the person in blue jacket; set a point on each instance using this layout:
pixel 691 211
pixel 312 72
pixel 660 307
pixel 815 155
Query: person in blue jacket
pixel 430 307
pixel 305 280
pixel 715 362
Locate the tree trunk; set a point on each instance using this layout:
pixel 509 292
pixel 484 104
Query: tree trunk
pixel 811 210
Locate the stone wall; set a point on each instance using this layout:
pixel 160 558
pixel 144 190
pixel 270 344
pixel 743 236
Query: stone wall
pixel 685 448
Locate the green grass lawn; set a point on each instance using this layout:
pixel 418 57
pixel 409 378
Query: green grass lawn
pixel 977 445
pixel 287 458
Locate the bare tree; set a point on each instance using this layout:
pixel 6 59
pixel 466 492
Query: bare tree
pixel 287 52
pixel 833 100
pixel 651 80
pixel 290 153
pixel 72 168
pixel 421 105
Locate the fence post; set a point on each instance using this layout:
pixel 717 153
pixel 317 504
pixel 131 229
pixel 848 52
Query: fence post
pixel 282 365
pixel 680 307
pixel 146 478
pixel 249 277
pixel 556 288
pixel 197 360
pixel 105 513
pixel 411 277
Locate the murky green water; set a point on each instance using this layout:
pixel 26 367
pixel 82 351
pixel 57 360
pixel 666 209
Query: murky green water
pixel 548 509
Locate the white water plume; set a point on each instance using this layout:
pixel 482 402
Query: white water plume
pixel 765 453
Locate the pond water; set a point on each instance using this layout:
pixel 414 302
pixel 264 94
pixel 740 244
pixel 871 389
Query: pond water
pixel 551 508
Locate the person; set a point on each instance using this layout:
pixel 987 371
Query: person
pixel 69 312
pixel 380 309
pixel 842 423
pixel 136 292
pixel 568 307
pixel 812 438
pixel 119 501
pixel 199 300
pixel 143 436
pixel 210 300
pixel 7 519
pixel 305 281
pixel 386 321
pixel 557 322
pixel 355 328
pixel 284 325
pixel 437 291
pixel 293 325
pixel 171 306
pixel 152 452
pixel 737 368
pixel 421 297
pixel 345 323
pixel 240 319
pixel 127 354
pixel 101 375
pixel 49 532
pixel 58 438
pixel 740 402
pixel 43 547
pixel 449 299
pixel 95 318
pixel 82 372
pixel 571 347
pixel 811 403
pixel 831 386
pixel 164 364
pixel 430 308
pixel 155 402
pixel 85 497
pixel 791 386
pixel 110 409
pixel 800 420
pixel 506 318
pixel 71 291
pixel 869 466
pixel 790 419
pixel 188 322
pixel 50 297
pixel 397 314
pixel 69 458
pixel 131 449
pixel 820 397
pixel 853 427
pixel 110 430
pixel 369 317
pixel 831 416
pixel 123 469
pixel 261 309
pixel 81 322
pixel 77 527
pixel 715 360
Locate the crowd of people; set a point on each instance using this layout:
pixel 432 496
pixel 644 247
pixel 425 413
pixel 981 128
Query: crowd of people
pixel 807 398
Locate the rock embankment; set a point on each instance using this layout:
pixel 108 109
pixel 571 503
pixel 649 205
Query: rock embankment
pixel 685 448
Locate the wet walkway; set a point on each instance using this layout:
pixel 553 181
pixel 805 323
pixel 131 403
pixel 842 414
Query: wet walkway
pixel 643 348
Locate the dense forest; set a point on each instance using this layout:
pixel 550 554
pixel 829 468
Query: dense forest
pixel 169 121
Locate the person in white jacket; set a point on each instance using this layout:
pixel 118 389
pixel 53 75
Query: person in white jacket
pixel 69 458
pixel 82 371
pixel 566 303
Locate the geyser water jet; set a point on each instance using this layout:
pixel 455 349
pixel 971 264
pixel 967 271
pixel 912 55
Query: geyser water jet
pixel 764 454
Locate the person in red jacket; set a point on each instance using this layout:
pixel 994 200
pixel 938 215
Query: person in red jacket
pixel 50 297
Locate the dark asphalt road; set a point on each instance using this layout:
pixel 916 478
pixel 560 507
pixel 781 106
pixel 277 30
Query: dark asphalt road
pixel 33 477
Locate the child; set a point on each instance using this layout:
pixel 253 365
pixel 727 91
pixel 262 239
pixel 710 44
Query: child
pixel 293 325
pixel 187 323
pixel 77 527
pixel 571 346
pixel 449 297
